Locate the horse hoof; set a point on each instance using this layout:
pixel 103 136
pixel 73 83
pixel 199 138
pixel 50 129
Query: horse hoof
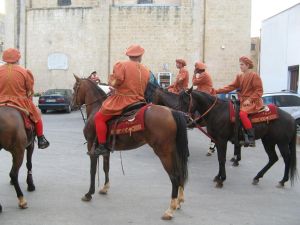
pixel 0 209
pixel 235 164
pixel 255 181
pixel 232 159
pixel 31 188
pixel 23 205
pixel 280 185
pixel 219 185
pixel 216 179
pixel 103 191
pixel 86 198
pixel 166 216
pixel 208 154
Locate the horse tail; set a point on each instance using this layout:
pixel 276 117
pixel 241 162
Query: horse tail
pixel 182 149
pixel 293 158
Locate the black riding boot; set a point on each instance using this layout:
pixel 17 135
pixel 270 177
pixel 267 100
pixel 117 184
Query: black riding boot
pixel 42 142
pixel 100 149
pixel 251 137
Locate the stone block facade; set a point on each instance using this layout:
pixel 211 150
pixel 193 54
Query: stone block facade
pixel 94 34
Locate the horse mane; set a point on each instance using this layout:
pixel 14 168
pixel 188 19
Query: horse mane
pixel 96 89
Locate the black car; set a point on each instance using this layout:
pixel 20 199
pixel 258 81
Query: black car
pixel 56 99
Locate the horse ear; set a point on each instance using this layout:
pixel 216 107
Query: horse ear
pixel 189 91
pixel 76 77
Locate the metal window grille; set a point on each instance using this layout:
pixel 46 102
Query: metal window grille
pixel 64 2
pixel 145 1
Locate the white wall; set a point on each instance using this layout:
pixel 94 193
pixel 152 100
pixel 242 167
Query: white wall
pixel 280 48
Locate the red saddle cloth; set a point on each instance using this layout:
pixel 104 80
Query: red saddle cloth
pixel 29 125
pixel 263 116
pixel 129 124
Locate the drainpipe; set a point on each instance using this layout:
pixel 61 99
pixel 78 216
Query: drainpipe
pixel 109 38
pixel 25 37
pixel 17 40
pixel 204 31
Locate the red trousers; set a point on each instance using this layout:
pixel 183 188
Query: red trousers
pixel 39 128
pixel 245 120
pixel 101 127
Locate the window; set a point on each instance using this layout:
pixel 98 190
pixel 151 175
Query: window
pixel 145 1
pixel 253 47
pixel 64 2
pixel 287 101
pixel 268 100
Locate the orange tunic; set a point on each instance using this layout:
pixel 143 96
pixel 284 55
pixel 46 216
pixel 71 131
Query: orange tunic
pixel 16 88
pixel 251 89
pixel 204 83
pixel 181 82
pixel 130 80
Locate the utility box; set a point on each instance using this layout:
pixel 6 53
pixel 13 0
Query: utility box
pixel 164 79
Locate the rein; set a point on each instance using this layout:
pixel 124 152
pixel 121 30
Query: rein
pixel 201 116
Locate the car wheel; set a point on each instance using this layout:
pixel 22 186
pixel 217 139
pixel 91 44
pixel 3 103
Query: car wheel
pixel 68 110
pixel 43 111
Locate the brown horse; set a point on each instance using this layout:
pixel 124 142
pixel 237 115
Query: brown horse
pixel 14 139
pixel 165 132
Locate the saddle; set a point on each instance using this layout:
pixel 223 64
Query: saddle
pixel 265 114
pixel 131 120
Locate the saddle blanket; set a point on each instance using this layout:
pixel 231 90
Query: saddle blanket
pixel 270 113
pixel 29 125
pixel 129 124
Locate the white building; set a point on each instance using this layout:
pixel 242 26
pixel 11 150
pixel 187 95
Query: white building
pixel 280 51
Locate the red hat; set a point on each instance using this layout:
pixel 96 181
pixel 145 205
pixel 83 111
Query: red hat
pixel 11 55
pixel 247 61
pixel 200 65
pixel 135 50
pixel 181 61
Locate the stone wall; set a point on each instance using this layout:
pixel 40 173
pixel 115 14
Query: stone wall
pixel 94 34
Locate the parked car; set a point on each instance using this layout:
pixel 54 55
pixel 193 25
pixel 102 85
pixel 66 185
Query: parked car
pixel 56 99
pixel 287 101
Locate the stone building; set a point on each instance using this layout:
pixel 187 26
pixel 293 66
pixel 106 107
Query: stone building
pixel 62 37
pixel 2 34
pixel 255 53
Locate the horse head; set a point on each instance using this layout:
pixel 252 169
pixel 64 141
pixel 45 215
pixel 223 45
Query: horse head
pixel 185 99
pixel 78 94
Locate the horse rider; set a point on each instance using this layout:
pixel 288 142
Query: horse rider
pixel 16 88
pixel 129 79
pixel 250 94
pixel 94 77
pixel 182 79
pixel 203 81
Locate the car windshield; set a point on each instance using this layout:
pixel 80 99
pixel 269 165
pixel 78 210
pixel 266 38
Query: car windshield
pixel 56 92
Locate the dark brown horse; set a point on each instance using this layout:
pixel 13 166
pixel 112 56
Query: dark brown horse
pixel 280 132
pixel 14 139
pixel 165 132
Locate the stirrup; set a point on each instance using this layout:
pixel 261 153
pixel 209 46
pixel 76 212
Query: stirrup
pixel 42 142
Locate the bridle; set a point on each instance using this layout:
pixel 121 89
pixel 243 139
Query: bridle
pixel 191 115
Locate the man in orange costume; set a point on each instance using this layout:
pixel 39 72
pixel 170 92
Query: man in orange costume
pixel 16 88
pixel 182 79
pixel 202 79
pixel 251 90
pixel 130 79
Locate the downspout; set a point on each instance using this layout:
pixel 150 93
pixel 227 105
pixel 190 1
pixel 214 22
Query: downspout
pixel 25 38
pixel 204 31
pixel 109 38
pixel 17 40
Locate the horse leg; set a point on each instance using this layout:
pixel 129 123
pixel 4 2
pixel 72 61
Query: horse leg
pixel 106 186
pixel 0 208
pixel 29 180
pixel 167 162
pixel 14 173
pixel 88 196
pixel 237 155
pixel 221 176
pixel 270 150
pixel 284 150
